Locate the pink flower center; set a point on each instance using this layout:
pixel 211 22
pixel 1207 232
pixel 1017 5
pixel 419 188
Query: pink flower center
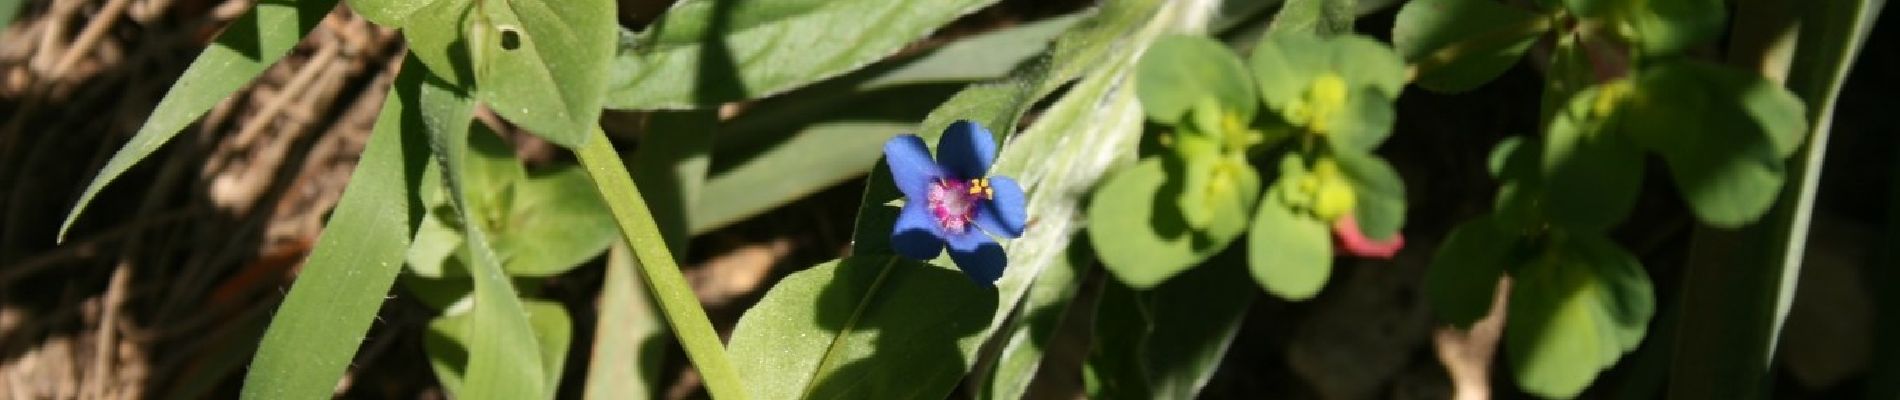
pixel 954 201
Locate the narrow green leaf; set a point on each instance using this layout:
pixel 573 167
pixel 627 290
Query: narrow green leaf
pixel 670 167
pixel 1465 270
pixel 1460 44
pixel 706 52
pixel 253 42
pixel 682 309
pixel 543 64
pixel 1738 285
pixel 502 363
pixel 1291 255
pixel 315 333
pixel 1180 71
pixel 448 338
pixel 629 338
pixel 388 13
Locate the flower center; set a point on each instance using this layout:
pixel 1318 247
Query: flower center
pixel 953 202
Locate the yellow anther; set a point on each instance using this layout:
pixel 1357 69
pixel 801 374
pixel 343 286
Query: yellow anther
pixel 981 186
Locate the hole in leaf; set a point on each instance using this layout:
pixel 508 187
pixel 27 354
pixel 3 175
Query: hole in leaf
pixel 510 39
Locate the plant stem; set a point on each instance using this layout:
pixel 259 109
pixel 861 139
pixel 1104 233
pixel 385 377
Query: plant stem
pixel 682 309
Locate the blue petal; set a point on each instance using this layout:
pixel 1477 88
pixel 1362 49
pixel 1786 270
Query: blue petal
pixel 1003 214
pixel 966 150
pixel 980 258
pixel 916 235
pixel 910 166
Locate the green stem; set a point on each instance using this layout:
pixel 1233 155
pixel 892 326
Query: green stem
pixel 683 312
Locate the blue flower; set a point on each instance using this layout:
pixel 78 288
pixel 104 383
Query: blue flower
pixel 952 200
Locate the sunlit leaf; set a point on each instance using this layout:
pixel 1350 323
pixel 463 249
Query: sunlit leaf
pixel 1180 71
pixel 1291 255
pixel 315 333
pixel 251 43
pixel 543 64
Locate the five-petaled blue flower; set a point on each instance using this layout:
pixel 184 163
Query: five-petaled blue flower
pixel 949 199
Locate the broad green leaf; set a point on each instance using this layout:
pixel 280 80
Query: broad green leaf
pixel 1457 45
pixel 555 224
pixel 1591 174
pixel 1379 191
pixel 1665 27
pixel 1365 123
pixel 1044 309
pixel 253 42
pixel 1167 342
pixel 543 64
pixel 1290 254
pixel 502 363
pixel 683 312
pixel 1141 238
pixel 706 52
pixel 316 331
pixel 1363 60
pixel 447 344
pixel 1284 66
pixel 630 337
pixel 1724 133
pixel 1574 313
pixel 438 34
pixel 1465 270
pixel 388 13
pixel 1289 66
pixel 819 334
pixel 1180 71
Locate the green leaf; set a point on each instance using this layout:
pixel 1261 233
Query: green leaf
pixel 1460 44
pixel 1591 175
pixel 1724 133
pixel 555 224
pixel 8 10
pixel 1738 285
pixel 501 363
pixel 706 52
pixel 682 309
pixel 316 331
pixel 438 33
pixel 1574 313
pixel 1290 254
pixel 630 337
pixel 1365 123
pixel 543 64
pixel 388 13
pixel 1314 17
pixel 448 337
pixel 1379 192
pixel 1143 241
pixel 253 42
pixel 1465 270
pixel 1168 341
pixel 1285 65
pixel 1045 308
pixel 670 166
pixel 1664 27
pixel 1180 71
pixel 820 334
